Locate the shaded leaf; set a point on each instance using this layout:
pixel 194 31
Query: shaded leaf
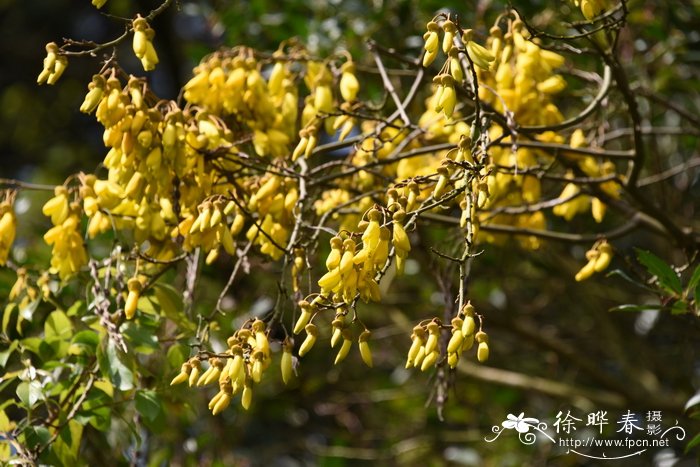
pixel 77 309
pixel 177 354
pixel 148 404
pixel 67 444
pixel 636 308
pixel 113 364
pixel 26 313
pixel 667 277
pixel 692 443
pixel 5 354
pixel 7 314
pixel 142 339
pixel 625 276
pixel 171 304
pixel 85 342
pixel 679 307
pixel 36 435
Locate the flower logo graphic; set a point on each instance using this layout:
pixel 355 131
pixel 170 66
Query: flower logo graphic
pixel 522 425
pixel 519 423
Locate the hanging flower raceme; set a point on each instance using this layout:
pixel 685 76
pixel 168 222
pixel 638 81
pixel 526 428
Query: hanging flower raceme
pixel 143 43
pixel 54 65
pixel 598 257
pixel 68 254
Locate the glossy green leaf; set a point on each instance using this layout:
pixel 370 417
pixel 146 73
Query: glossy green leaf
pixel 29 392
pixel 58 325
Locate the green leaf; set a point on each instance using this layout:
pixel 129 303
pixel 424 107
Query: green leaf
pixel 148 305
pixel 113 364
pixel 679 307
pixel 96 410
pixel 36 435
pixel 29 392
pixel 635 308
pixel 84 342
pixel 694 279
pixel 26 313
pixel 67 444
pixel 105 386
pixel 667 277
pixel 171 304
pixel 7 314
pixel 625 276
pixel 32 344
pixel 79 308
pixel 142 339
pixel 692 443
pixel 177 354
pixel 4 422
pixel 148 404
pixel 5 354
pixel 58 325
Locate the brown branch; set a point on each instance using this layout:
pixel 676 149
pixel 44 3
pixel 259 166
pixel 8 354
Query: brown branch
pixel 20 185
pixel 620 231
pixel 388 85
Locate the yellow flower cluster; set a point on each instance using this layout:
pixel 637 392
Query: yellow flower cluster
pixel 425 351
pixel 68 254
pixel 599 257
pixel 54 65
pixel 341 331
pixel 243 364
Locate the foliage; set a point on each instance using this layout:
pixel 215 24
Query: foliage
pixel 382 201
